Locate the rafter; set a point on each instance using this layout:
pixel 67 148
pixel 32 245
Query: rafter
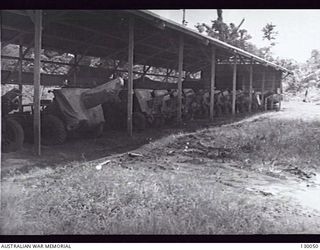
pixel 58 38
pixel 12 39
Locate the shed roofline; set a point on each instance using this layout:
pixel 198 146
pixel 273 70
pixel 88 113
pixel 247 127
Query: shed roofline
pixel 174 25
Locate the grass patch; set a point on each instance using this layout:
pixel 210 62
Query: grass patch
pixel 134 196
pixel 82 200
pixel 266 143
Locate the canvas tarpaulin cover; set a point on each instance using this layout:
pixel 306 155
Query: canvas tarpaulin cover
pixel 73 110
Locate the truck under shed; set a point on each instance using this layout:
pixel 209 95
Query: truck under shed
pixel 137 37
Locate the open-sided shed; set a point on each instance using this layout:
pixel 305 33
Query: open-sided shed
pixel 136 36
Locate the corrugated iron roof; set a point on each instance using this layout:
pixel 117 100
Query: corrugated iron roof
pixel 181 28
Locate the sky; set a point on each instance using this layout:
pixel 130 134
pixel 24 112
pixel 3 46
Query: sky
pixel 298 30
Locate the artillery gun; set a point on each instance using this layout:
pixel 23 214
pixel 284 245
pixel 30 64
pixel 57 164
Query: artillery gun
pixel 152 108
pixel 73 111
pixel 224 102
pixel 272 101
pixel 200 104
pixel 12 135
pixel 143 112
pixel 77 110
pixel 169 105
pixel 242 101
pixel 192 105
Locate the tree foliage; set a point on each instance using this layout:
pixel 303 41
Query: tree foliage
pixel 306 75
pixel 229 33
pixel 232 34
pixel 269 32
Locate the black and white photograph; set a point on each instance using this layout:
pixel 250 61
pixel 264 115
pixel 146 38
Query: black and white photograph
pixel 160 122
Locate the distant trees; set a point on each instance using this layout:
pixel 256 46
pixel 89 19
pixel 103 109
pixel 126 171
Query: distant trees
pixel 229 33
pixel 232 34
pixel 311 69
pixel 315 59
pixel 269 34
pixel 48 55
pixel 306 75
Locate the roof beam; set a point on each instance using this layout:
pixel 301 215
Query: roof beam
pixel 31 60
pixel 171 24
pixel 56 37
pixel 136 43
pixel 12 39
pixel 145 60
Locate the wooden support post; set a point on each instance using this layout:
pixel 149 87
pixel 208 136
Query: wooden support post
pixel 130 76
pixel 234 85
pixel 273 87
pixel 243 86
pixel 20 76
pixel 281 89
pixel 1 108
pixel 262 86
pixel 36 82
pixel 180 68
pixel 167 75
pixel 250 85
pixel 213 79
pixel 75 69
pixel 274 76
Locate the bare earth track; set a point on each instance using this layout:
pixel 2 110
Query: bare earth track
pixel 259 175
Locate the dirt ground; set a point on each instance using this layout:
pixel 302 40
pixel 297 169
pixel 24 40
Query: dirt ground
pixel 283 187
pixel 87 149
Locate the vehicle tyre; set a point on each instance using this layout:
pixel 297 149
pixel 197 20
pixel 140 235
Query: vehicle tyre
pixel 217 110
pixel 226 109
pixel 138 121
pixel 12 136
pixel 159 122
pixel 243 108
pixel 53 131
pixel 98 132
pixel 187 116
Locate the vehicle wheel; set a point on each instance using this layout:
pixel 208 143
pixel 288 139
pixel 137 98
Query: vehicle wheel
pixel 99 130
pixel 158 122
pixel 217 110
pixel 225 109
pixel 12 136
pixel 170 120
pixel 187 116
pixel 242 108
pixel 138 121
pixel 206 113
pixel 53 131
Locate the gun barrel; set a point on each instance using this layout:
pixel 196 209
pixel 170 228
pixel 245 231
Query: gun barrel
pixel 102 93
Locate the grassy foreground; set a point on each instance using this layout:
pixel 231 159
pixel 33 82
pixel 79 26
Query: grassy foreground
pixel 166 191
